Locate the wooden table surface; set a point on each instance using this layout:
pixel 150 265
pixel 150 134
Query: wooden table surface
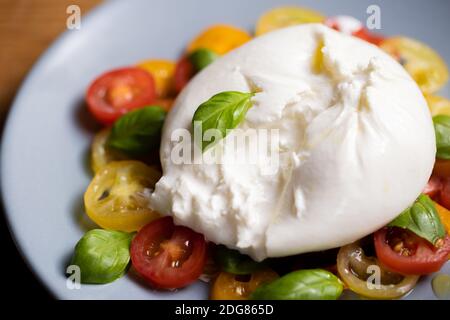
pixel 27 28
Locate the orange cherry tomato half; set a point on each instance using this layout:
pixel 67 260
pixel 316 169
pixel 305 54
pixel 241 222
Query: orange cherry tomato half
pixel 184 71
pixel 119 91
pixel 403 252
pixel 168 256
pixel 228 286
pixel 219 38
pixel 162 72
pixel 444 215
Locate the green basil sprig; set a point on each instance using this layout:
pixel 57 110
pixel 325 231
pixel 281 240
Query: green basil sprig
pixel 422 219
pixel 223 111
pixel 138 131
pixel 312 284
pixel 102 255
pixel 201 58
pixel 442 131
pixel 234 262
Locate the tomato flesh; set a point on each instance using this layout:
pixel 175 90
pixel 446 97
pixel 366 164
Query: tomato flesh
pixel 438 188
pixel 433 188
pixel 119 91
pixel 404 252
pixel 444 198
pixel 184 71
pixel 229 286
pixel 369 36
pixel 168 256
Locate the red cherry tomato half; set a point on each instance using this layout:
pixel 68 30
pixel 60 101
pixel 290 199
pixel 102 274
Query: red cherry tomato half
pixel 344 24
pixel 444 196
pixel 368 36
pixel 119 91
pixel 433 188
pixel 438 188
pixel 184 71
pixel 168 256
pixel 404 252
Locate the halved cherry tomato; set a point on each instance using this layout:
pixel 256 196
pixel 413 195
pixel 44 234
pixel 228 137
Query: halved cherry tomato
pixel 438 105
pixel 425 65
pixel 101 155
pixel 444 198
pixel 118 196
pixel 116 92
pixel 355 267
pixel 163 74
pixel 219 38
pixel 228 286
pixel 354 27
pixel 444 215
pixel 433 188
pixel 184 71
pixel 404 252
pixel 286 16
pixel 212 269
pixel 166 104
pixel 168 256
pixel 368 36
pixel 345 24
pixel 438 187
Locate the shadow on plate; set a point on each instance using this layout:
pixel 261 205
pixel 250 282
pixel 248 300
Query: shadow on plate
pixel 65 262
pixel 79 215
pixel 83 119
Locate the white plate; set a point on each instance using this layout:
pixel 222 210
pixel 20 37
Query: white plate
pixel 48 131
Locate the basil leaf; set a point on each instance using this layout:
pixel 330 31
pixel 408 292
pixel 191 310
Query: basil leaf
pixel 201 58
pixel 234 262
pixel 102 255
pixel 422 219
pixel 442 131
pixel 223 111
pixel 313 284
pixel 138 131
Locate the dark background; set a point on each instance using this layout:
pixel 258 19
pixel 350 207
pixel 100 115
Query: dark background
pixel 18 282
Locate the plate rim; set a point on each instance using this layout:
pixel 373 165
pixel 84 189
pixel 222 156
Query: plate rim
pixel 6 139
pixel 9 123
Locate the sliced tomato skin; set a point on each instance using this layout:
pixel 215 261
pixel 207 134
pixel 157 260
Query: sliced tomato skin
pixel 139 81
pixel 369 36
pixel 433 188
pixel 426 259
pixel 184 71
pixel 444 196
pixel 157 270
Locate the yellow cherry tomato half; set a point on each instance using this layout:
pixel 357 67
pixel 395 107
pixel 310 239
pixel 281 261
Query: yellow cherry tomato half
pixel 118 196
pixel 353 266
pixel 163 72
pixel 286 16
pixel 228 286
pixel 444 215
pixel 438 105
pixel 101 155
pixel 219 38
pixel 425 65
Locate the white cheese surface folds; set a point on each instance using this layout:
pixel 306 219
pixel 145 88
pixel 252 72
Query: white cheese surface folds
pixel 357 146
